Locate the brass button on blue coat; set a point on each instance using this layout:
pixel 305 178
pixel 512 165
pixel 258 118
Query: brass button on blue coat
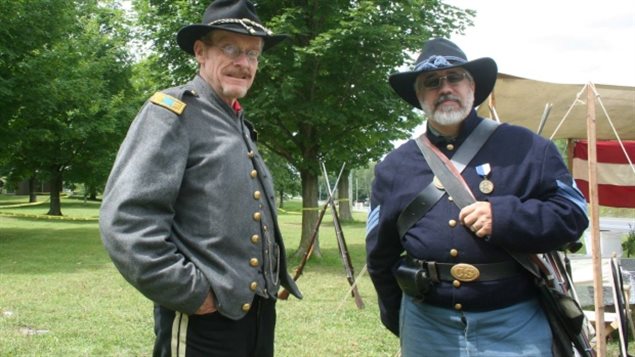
pixel 253 262
pixel 255 239
pixel 251 154
pixel 257 195
pixel 257 216
pixel 452 223
pixel 253 174
pixel 246 307
pixel 458 307
pixel 253 286
pixel 454 253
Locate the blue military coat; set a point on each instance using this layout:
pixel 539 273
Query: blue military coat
pixel 535 208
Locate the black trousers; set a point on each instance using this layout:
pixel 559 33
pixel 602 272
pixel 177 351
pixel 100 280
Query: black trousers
pixel 214 335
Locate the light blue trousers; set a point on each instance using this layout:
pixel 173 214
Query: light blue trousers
pixel 517 330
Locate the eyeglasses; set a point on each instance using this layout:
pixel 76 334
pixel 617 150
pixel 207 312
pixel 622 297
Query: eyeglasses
pixel 433 82
pixel 232 51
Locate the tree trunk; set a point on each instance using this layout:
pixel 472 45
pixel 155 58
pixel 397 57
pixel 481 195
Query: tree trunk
pixel 281 205
pixel 309 212
pixel 344 202
pixel 92 193
pixel 32 195
pixel 55 209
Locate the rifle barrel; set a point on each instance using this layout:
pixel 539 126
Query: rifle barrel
pixel 284 293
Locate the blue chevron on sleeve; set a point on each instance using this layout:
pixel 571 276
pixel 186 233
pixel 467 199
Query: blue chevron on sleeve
pixel 373 220
pixel 573 194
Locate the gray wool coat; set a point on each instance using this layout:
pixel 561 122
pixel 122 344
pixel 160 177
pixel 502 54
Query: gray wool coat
pixel 189 207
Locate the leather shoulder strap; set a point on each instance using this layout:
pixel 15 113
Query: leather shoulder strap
pixel 417 208
pixel 425 199
pixel 458 189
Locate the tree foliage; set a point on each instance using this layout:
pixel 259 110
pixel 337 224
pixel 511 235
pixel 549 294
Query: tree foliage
pixel 323 94
pixel 286 177
pixel 28 27
pixel 71 97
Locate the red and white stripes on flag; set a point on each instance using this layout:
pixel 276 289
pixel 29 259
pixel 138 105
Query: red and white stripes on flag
pixel 615 176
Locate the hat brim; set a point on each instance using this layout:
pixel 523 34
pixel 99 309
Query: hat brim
pixel 189 34
pixel 483 70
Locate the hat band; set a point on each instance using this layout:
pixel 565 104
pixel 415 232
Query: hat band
pixel 246 23
pixel 438 62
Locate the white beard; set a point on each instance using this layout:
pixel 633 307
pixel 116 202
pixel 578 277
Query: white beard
pixel 451 116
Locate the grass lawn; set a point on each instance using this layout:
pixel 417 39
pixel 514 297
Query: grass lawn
pixel 61 296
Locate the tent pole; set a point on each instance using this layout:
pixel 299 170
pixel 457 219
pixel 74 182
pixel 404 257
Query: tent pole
pixel 595 225
pixel 491 104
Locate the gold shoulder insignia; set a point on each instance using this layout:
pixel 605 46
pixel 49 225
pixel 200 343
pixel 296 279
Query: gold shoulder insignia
pixel 168 102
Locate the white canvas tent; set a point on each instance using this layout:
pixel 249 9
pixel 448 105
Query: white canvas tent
pixel 521 101
pixel 576 111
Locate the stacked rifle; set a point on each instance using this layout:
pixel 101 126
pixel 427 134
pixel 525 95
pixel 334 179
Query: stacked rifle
pixel 571 330
pixel 341 243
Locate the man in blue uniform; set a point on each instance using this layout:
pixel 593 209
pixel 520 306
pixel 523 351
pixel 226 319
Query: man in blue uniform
pixel 526 202
pixel 188 214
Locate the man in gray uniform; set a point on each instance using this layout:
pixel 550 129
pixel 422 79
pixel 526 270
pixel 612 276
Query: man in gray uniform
pixel 188 215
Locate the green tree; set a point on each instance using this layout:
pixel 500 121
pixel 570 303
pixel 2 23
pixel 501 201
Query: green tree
pixel 362 181
pixel 286 178
pixel 71 121
pixel 28 28
pixel 322 95
pixel 343 199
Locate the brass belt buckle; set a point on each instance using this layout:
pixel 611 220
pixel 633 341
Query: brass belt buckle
pixel 464 272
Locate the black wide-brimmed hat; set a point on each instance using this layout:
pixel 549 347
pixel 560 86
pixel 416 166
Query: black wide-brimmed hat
pixel 230 15
pixel 438 54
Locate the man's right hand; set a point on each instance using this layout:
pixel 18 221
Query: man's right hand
pixel 208 306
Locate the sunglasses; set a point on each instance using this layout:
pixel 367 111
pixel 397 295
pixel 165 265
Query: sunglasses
pixel 433 82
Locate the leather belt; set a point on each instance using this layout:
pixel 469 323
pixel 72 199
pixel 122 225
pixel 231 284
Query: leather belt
pixel 467 272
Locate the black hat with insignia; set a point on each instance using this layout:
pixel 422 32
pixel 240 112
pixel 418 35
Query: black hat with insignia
pixel 438 54
pixel 237 16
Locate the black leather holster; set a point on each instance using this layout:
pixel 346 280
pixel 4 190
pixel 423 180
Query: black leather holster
pixel 412 279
